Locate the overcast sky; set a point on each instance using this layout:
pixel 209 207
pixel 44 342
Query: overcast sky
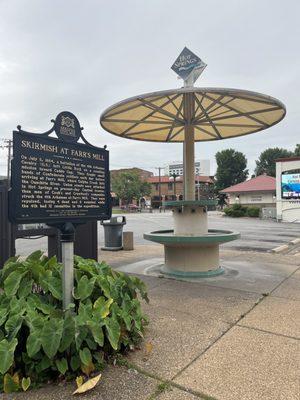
pixel 83 56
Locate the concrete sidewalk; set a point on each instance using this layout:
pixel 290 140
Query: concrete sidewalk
pixel 236 338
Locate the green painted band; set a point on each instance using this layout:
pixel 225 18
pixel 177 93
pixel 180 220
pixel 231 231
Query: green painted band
pixel 213 236
pixel 179 203
pixel 193 274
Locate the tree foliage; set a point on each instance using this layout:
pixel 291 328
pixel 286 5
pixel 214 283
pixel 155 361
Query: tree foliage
pixel 231 168
pixel 40 342
pixel 297 150
pixel 266 163
pixel 129 186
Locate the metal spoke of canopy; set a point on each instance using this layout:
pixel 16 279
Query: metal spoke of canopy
pixel 214 114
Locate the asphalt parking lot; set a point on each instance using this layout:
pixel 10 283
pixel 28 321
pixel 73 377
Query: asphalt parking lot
pixel 256 234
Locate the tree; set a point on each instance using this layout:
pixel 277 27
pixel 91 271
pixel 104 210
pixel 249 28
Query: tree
pixel 297 150
pixel 231 168
pixel 129 186
pixel 266 163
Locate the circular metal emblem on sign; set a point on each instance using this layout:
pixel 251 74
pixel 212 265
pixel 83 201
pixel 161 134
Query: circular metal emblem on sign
pixel 67 127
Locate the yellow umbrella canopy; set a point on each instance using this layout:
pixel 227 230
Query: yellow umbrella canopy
pixel 214 113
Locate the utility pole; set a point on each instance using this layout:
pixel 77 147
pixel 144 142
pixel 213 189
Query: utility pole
pixel 7 145
pixel 159 187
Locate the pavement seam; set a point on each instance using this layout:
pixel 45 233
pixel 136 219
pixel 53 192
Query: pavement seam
pixel 155 394
pixel 298 269
pixel 259 300
pixel 195 393
pixel 237 323
pixel 268 332
pixel 285 279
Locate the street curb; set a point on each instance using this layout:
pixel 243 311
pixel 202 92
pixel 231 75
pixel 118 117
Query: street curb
pixel 295 241
pixel 279 249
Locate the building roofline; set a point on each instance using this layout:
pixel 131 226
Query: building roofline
pixel 288 159
pixel 249 191
pixel 251 185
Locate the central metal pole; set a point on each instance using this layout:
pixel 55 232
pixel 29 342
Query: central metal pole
pixel 189 146
pixel 67 256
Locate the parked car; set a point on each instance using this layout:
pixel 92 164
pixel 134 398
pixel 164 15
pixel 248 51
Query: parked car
pixel 131 207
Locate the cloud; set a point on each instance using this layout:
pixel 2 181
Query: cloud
pixel 85 56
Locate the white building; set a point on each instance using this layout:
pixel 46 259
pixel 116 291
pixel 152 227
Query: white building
pixel 202 167
pixel 288 189
pixel 259 191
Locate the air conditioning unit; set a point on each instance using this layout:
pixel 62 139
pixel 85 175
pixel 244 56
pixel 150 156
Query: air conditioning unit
pixel 268 212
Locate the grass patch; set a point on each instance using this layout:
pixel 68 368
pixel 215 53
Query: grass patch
pixel 119 211
pixel 161 388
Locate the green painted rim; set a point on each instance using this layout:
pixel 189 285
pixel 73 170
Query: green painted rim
pixel 192 274
pixel 180 203
pixel 214 236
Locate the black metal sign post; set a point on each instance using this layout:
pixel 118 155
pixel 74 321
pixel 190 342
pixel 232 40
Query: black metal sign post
pixel 60 182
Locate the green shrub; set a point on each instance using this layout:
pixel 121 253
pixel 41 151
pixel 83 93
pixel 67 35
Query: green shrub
pixel 253 211
pixel 40 342
pixel 236 210
pixel 227 211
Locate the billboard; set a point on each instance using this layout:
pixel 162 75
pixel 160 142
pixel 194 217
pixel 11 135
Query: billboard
pixel 290 186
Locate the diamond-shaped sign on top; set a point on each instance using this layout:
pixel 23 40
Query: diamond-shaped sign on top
pixel 186 63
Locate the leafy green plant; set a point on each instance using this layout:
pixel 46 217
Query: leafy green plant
pixel 253 211
pixel 39 341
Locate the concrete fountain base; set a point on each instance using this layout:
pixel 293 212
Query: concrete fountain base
pixel 191 250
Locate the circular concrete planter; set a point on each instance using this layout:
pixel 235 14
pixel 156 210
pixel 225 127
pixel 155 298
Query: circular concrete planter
pixel 192 255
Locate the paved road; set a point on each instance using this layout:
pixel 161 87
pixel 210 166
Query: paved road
pixel 256 234
pixel 260 235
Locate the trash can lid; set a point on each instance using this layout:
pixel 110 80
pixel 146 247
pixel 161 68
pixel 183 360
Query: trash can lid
pixel 114 221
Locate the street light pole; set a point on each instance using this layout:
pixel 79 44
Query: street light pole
pixel 174 176
pixel 159 187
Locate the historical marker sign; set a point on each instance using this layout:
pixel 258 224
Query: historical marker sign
pixel 58 180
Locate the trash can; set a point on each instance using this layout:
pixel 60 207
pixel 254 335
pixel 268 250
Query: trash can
pixel 113 233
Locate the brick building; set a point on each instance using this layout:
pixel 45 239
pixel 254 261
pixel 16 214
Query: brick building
pixel 170 190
